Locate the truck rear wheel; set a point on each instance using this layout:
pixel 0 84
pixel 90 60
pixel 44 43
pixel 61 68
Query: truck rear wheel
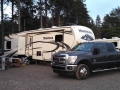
pixel 82 72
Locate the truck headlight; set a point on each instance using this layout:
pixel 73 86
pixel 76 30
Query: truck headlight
pixel 72 59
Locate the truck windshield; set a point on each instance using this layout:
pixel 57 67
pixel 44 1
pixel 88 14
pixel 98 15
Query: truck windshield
pixel 83 47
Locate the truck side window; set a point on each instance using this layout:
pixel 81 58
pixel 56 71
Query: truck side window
pixel 101 47
pixel 110 47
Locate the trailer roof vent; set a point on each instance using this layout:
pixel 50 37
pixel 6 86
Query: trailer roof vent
pixel 114 37
pixel 54 27
pixel 104 38
pixel 99 39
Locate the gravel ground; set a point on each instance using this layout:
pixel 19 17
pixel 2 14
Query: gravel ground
pixel 41 77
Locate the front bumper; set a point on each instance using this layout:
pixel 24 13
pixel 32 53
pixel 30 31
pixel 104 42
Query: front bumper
pixel 64 69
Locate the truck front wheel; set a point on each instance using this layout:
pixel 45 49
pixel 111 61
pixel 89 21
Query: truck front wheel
pixel 82 71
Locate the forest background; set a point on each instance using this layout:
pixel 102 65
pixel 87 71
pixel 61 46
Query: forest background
pixel 34 14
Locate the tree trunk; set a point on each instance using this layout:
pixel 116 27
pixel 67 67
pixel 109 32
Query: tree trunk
pixel 12 15
pixel 2 27
pixel 40 14
pixel 58 18
pixel 19 16
pixel 46 13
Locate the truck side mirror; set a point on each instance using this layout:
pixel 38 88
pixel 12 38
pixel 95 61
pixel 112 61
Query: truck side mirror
pixel 96 51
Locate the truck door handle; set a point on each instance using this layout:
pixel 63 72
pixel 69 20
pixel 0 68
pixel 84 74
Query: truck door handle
pixel 107 56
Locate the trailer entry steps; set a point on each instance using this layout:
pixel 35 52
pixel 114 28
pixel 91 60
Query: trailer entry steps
pixel 15 61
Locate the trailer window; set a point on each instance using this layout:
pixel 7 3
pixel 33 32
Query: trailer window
pixel 38 53
pixel 8 45
pixel 58 38
pixel 31 38
pixel 115 43
pixel 30 41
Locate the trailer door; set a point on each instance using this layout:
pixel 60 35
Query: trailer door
pixel 21 45
pixel 30 46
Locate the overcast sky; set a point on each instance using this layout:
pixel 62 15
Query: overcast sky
pixel 101 7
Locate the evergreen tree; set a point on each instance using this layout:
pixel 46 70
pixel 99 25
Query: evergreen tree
pixel 54 12
pixel 73 11
pixel 111 24
pixel 98 21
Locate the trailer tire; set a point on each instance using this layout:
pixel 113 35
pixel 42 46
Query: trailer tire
pixel 82 72
pixel 28 62
pixel 25 60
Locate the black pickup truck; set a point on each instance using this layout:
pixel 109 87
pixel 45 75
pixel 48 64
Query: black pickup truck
pixel 85 58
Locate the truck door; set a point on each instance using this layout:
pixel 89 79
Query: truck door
pixel 111 55
pixel 99 60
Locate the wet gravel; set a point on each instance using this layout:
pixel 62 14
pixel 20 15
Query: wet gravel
pixel 41 77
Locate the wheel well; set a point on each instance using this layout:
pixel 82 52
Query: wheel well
pixel 86 62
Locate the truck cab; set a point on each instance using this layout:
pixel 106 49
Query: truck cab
pixel 85 58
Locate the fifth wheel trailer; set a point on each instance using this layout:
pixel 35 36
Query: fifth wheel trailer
pixel 40 44
pixel 114 40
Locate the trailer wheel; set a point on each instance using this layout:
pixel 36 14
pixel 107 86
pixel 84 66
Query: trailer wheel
pixel 22 59
pixel 28 62
pixel 25 60
pixel 82 72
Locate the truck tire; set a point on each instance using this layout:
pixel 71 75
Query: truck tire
pixel 82 72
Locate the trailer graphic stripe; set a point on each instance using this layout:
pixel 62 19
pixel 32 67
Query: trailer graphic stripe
pixel 58 44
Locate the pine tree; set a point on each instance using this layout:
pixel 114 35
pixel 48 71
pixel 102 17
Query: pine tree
pixel 98 21
pixel 111 24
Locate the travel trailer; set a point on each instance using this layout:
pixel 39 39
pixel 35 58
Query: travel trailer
pixel 41 43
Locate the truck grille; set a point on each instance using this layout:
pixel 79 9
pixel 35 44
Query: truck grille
pixel 59 59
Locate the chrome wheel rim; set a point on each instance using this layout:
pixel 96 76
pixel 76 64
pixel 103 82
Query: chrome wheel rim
pixel 83 71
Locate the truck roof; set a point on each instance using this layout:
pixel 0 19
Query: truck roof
pixel 97 42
